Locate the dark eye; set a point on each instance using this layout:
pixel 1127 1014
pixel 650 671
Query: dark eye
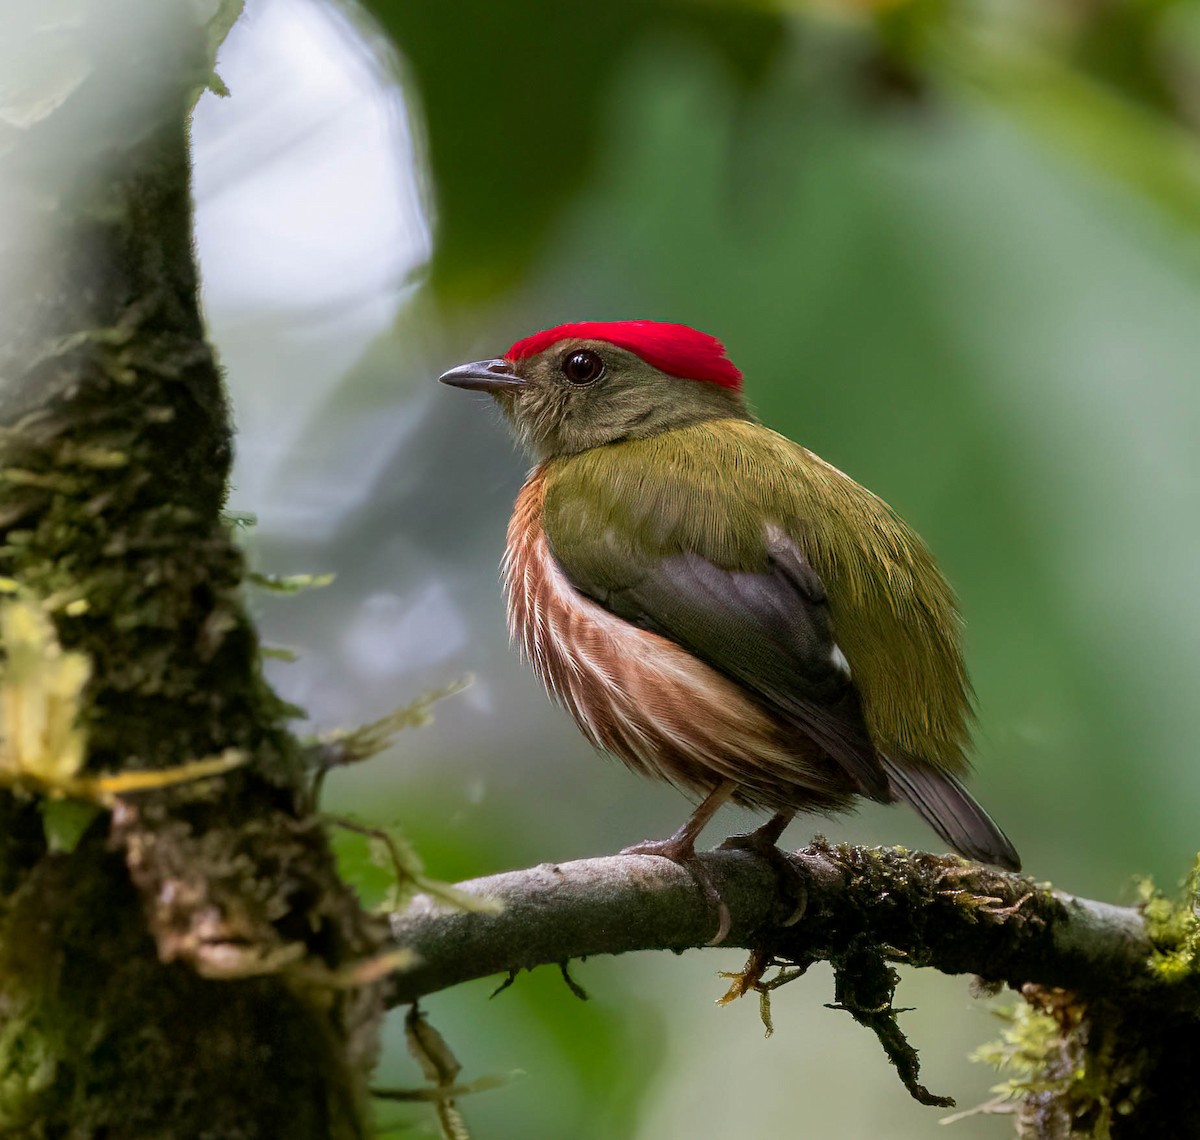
pixel 582 367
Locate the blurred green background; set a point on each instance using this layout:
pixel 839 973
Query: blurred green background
pixel 953 246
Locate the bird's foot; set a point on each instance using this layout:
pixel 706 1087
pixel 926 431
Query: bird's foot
pixel 681 850
pixel 762 842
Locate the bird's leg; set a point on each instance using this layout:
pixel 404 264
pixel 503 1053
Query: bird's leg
pixel 763 843
pixel 681 849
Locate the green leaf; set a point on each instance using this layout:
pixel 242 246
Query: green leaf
pixel 290 583
pixel 65 821
pixel 278 653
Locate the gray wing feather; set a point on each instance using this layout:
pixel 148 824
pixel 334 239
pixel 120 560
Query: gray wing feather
pixel 943 803
pixel 769 631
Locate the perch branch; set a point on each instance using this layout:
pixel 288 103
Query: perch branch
pixel 925 910
pixel 1112 993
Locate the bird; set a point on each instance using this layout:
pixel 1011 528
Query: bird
pixel 717 606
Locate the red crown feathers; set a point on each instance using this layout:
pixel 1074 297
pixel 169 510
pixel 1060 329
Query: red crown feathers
pixel 674 349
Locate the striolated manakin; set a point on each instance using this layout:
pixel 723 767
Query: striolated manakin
pixel 716 605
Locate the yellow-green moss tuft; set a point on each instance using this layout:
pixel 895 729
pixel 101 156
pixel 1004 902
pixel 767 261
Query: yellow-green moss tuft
pixel 1174 927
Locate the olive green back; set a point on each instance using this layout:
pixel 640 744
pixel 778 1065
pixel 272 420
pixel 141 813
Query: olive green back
pixel 716 489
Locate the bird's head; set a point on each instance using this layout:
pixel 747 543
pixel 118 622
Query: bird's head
pixel 582 385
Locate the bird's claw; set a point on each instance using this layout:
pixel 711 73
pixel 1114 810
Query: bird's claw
pixel 676 850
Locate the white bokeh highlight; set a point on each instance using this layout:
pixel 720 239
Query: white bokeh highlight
pixel 311 232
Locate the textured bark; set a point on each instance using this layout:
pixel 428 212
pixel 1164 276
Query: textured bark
pixel 1123 1025
pixel 182 970
pixel 931 910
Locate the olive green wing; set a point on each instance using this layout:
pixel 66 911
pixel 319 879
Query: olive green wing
pixel 768 629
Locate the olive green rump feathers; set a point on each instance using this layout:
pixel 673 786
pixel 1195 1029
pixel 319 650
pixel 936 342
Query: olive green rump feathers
pixel 641 525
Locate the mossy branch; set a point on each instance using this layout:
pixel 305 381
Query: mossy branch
pixel 928 910
pixel 1108 976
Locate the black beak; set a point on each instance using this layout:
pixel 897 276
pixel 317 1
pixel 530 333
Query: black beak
pixel 483 376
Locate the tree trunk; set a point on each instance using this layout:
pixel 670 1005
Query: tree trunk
pixel 185 968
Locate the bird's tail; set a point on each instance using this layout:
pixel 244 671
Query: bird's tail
pixel 943 803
